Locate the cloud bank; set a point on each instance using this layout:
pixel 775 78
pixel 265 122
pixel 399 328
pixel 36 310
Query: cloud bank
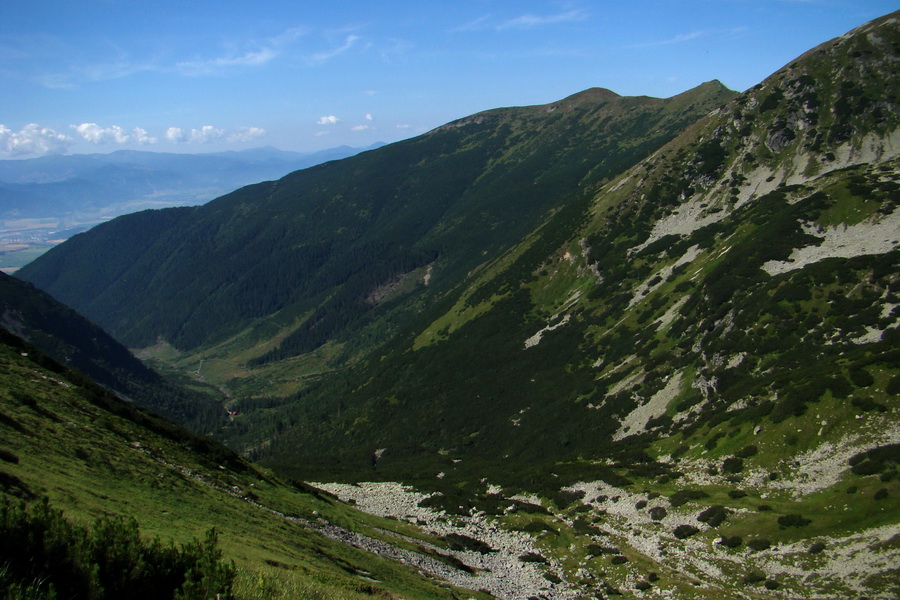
pixel 33 140
pixel 37 140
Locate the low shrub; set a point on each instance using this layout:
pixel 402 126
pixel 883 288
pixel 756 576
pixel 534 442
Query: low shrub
pixel 732 464
pixel 754 578
pixel 713 516
pixel 683 496
pixel 108 560
pixel 793 520
pixel 463 543
pixel 538 526
pixel 759 544
pixel 747 451
pixel 597 550
pixel 685 531
pixel 532 557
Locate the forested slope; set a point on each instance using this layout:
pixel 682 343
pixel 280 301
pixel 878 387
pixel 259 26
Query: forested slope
pixel 309 249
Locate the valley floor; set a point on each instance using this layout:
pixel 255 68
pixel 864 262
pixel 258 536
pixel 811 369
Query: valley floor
pixel 640 545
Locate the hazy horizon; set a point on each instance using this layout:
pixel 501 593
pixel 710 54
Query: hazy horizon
pixel 83 78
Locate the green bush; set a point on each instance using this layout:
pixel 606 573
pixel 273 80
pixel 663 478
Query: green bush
pixel 748 451
pixel 793 520
pixel 683 496
pixel 532 557
pixel 860 377
pixel 759 544
pixel 109 560
pixel 753 578
pixel 731 542
pixel 714 515
pixel 876 460
pixel 685 531
pixel 463 543
pixel 658 513
pixel 732 464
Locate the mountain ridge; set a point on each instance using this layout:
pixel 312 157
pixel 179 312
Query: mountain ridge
pixel 675 380
pixel 279 198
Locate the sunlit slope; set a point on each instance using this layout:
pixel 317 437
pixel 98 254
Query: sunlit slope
pixel 746 271
pixel 67 439
pixel 346 252
pixel 73 340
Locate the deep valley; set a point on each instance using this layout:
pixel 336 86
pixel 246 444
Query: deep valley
pixel 608 346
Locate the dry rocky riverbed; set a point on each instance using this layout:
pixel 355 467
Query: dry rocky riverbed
pixel 499 572
pixel 697 562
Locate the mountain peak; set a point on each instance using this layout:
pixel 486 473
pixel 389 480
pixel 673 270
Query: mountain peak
pixel 589 96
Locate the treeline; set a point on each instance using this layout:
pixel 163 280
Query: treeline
pixel 318 238
pixel 72 340
pixel 44 556
pixel 376 265
pixel 205 449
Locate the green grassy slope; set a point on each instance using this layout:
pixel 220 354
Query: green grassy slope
pixel 73 340
pixel 317 258
pixel 67 439
pixel 723 321
pixel 675 268
pixel 692 367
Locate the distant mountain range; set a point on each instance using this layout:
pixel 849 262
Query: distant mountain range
pixel 51 196
pixel 657 338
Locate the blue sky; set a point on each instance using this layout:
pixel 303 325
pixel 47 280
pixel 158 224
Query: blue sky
pixel 200 76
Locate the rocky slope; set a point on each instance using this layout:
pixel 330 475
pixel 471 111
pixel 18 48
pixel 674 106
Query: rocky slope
pixel 679 377
pixel 708 364
pixel 286 269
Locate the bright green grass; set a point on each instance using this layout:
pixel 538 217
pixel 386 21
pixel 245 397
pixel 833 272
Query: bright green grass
pixel 90 462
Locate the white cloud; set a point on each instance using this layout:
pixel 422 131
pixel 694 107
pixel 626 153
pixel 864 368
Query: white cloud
pixel 403 126
pixel 175 134
pixel 678 39
pixel 245 134
pixel 320 57
pixel 205 134
pixel 369 117
pixel 530 21
pixel 91 132
pixel 327 120
pixel 360 128
pixel 247 59
pixel 32 140
pixel 321 133
pixel 140 136
pixel 476 25
pixel 260 53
